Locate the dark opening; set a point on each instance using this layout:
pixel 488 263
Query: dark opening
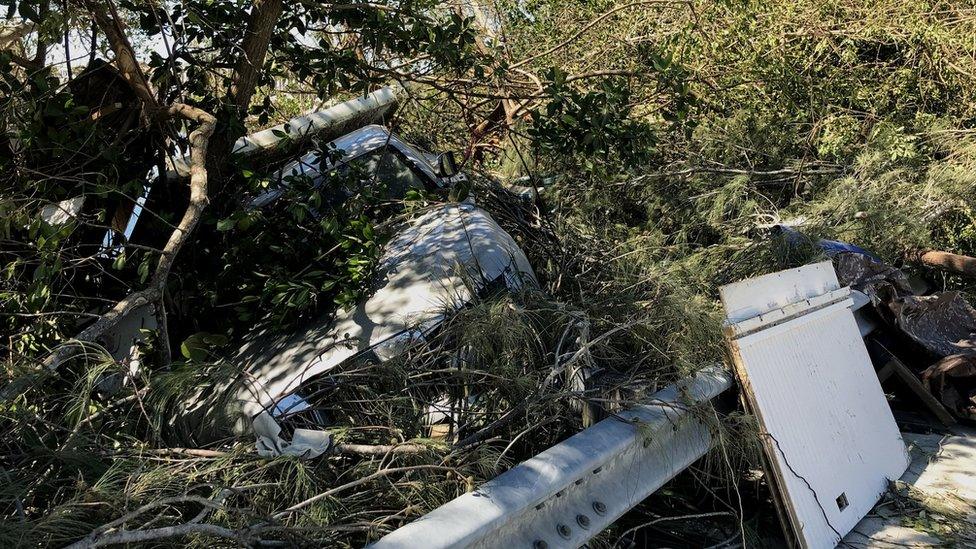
pixel 842 501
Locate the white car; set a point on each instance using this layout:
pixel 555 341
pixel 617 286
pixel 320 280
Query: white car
pixel 429 269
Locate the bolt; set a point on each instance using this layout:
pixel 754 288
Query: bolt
pixel 583 521
pixel 539 544
pixel 599 507
pixel 560 493
pixel 564 531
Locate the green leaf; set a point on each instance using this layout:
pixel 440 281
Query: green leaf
pixel 144 270
pixel 226 224
pixel 198 346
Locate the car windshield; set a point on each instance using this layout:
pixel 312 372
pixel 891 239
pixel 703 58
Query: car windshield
pixel 381 174
pixel 384 170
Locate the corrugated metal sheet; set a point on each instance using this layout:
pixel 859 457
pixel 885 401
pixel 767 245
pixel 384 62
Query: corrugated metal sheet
pixel 831 440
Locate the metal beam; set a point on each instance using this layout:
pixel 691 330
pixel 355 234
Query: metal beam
pixel 326 125
pixel 576 489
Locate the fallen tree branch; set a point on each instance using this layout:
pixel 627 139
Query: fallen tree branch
pixel 199 140
pixel 945 261
pixel 341 448
pixel 107 535
pixel 192 452
pixel 380 449
pixel 781 172
pixel 378 474
pixel 181 530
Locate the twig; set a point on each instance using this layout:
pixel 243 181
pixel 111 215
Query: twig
pixel 378 474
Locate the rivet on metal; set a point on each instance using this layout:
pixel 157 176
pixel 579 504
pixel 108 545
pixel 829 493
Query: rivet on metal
pixel 647 442
pixel 583 521
pixel 560 493
pixel 564 531
pixel 599 507
pixel 540 544
pixel 597 470
pixel 579 481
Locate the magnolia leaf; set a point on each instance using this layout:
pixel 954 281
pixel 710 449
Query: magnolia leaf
pixel 198 346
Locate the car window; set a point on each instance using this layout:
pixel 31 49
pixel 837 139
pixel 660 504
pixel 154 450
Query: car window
pixel 386 171
pixel 383 172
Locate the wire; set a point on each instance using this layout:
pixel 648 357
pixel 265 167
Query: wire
pixel 840 538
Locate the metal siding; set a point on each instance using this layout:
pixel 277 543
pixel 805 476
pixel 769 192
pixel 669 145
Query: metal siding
pixel 829 427
pixel 756 296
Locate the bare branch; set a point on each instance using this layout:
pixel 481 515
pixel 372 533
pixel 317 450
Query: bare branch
pixel 199 140
pixel 107 19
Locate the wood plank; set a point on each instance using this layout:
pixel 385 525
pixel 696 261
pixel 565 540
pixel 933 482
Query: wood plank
pixel 909 379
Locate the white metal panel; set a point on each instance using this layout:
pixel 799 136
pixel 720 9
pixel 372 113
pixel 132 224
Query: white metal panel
pixel 828 432
pixel 765 293
pixel 793 310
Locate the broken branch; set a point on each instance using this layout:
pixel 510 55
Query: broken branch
pixel 949 262
pixel 199 139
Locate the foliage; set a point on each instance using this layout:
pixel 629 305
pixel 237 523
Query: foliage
pixel 655 146
pixel 592 124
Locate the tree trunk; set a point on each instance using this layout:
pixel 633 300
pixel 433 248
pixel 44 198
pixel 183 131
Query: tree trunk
pixel 254 49
pixel 125 58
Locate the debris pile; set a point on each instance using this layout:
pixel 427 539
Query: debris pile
pixel 933 334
